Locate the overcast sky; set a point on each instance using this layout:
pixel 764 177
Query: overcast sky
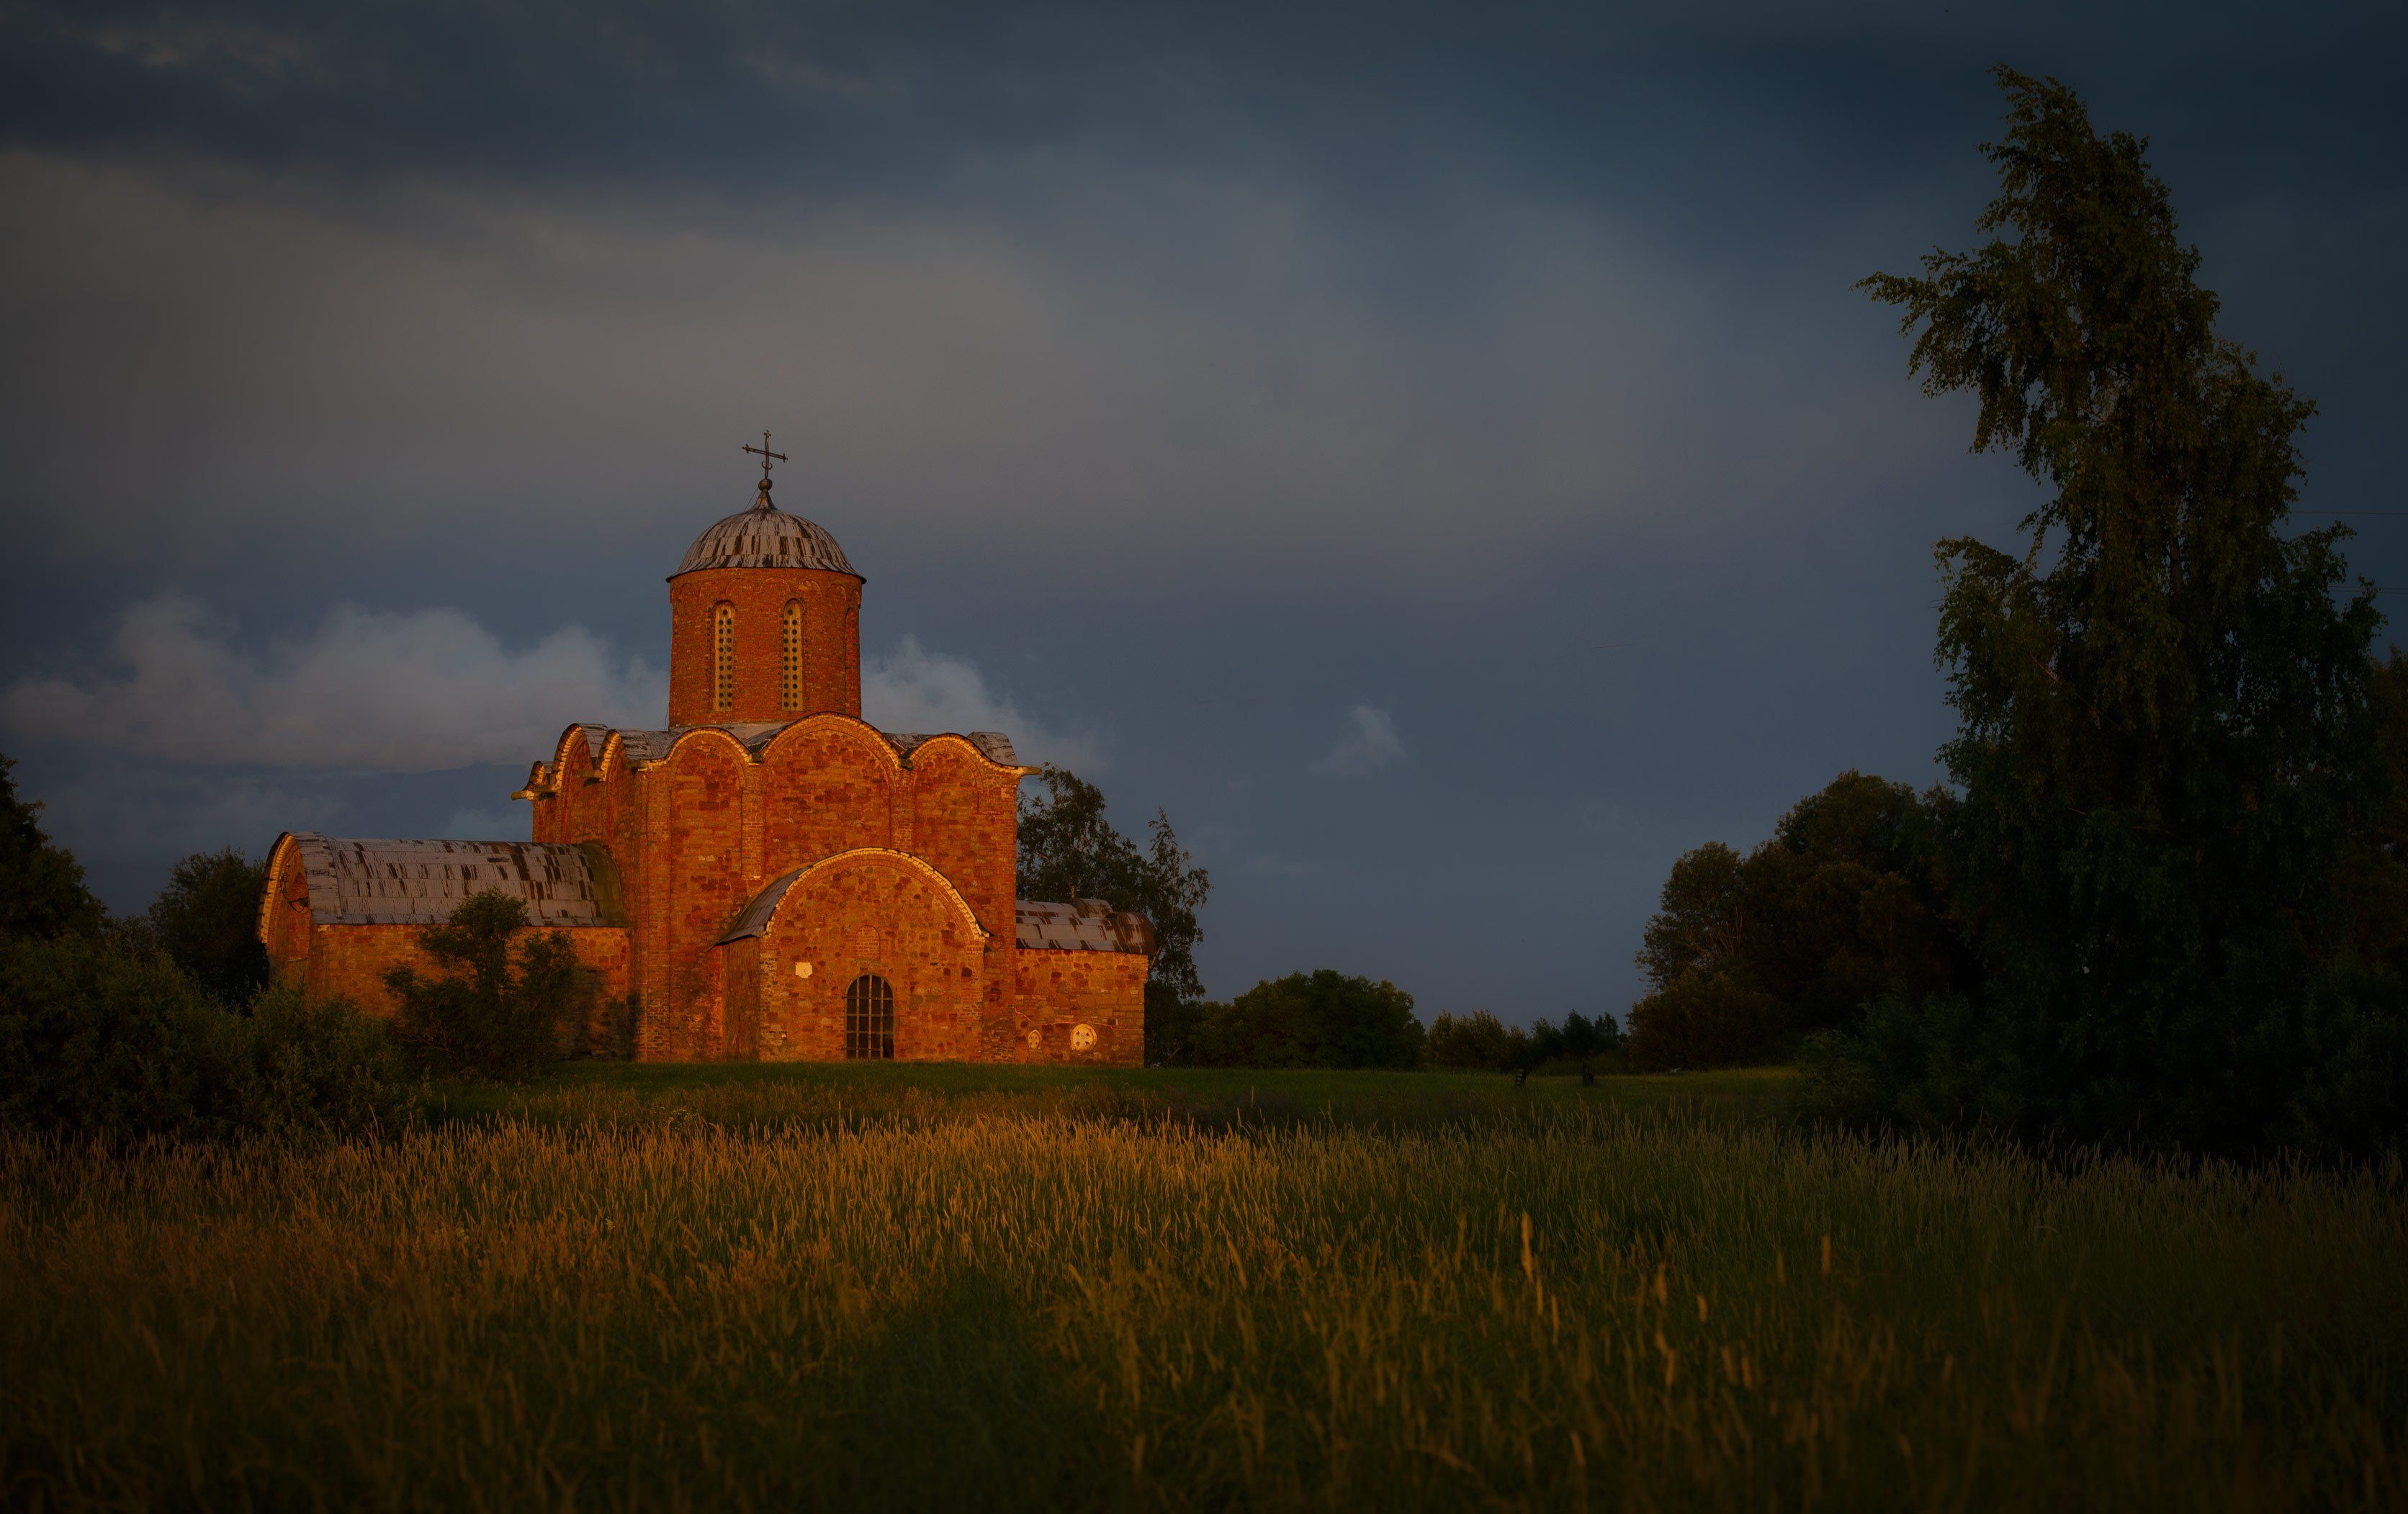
pixel 1435 453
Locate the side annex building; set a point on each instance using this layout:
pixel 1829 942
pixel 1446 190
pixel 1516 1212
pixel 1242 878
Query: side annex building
pixel 770 876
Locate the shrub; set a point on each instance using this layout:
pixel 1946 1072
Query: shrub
pixel 318 1067
pixel 505 1004
pixel 99 1038
pixel 109 1038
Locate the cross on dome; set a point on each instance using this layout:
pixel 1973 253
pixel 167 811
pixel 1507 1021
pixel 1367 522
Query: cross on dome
pixel 766 456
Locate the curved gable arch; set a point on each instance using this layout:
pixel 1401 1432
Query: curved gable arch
pixel 701 733
pixel 576 732
pixel 955 742
pixel 828 785
pixel 828 723
pixel 283 858
pixel 763 914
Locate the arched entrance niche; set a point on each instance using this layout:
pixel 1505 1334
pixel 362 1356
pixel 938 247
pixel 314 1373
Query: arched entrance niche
pixel 866 914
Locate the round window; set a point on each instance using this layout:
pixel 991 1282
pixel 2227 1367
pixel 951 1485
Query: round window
pixel 1082 1037
pixel 1036 1037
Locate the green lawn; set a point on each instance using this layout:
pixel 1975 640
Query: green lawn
pixel 787 1094
pixel 746 1287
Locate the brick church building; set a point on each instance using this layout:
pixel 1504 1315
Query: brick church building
pixel 772 876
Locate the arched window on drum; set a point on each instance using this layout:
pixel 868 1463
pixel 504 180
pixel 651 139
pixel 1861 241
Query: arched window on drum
pixel 869 1018
pixel 723 656
pixel 789 657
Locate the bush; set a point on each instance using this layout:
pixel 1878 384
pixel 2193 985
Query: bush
pixel 318 1067
pixel 503 1006
pixel 99 1038
pixel 1701 1019
pixel 109 1038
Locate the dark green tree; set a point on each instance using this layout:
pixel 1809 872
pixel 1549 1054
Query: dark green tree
pixel 1842 905
pixel 1586 1039
pixel 42 885
pixel 207 920
pixel 1069 850
pixel 1475 1040
pixel 2162 694
pixel 1324 1018
pixel 503 1003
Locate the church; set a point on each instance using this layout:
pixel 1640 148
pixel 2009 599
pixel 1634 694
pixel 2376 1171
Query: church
pixel 769 875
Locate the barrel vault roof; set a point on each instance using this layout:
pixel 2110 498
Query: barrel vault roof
pixel 355 882
pixel 1081 925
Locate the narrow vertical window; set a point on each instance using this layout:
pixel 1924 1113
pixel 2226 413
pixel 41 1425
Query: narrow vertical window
pixel 790 658
pixel 722 648
pixel 869 1018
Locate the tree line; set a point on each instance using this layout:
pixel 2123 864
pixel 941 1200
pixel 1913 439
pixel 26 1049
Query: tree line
pixel 1071 850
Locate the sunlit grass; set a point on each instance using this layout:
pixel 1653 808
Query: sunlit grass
pixel 964 1294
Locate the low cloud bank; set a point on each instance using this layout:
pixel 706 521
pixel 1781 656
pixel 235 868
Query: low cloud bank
pixel 422 691
pixel 366 691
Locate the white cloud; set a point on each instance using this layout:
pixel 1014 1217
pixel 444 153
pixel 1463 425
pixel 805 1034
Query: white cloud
pixel 914 688
pixel 366 691
pixel 1371 746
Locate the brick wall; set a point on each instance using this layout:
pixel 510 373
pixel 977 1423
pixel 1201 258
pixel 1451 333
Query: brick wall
pixel 350 961
pixel 831 643
pixel 696 878
pixel 825 786
pixel 1061 991
pixel 964 820
pixel 873 914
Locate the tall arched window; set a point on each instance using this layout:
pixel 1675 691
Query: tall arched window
pixel 869 1018
pixel 790 658
pixel 723 656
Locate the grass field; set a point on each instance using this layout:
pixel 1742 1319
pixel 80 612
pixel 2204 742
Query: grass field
pixel 744 1287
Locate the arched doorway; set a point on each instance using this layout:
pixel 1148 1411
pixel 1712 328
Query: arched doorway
pixel 869 1018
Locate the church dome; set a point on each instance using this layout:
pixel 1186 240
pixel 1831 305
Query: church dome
pixel 765 537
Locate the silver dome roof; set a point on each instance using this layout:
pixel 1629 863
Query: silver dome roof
pixel 765 537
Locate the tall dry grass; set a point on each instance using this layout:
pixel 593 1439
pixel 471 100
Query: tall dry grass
pixel 1042 1311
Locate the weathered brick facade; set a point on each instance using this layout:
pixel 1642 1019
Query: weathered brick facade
pixel 746 865
pixel 830 672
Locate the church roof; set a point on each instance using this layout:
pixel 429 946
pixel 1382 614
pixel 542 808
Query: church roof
pixel 1081 925
pixel 755 735
pixel 765 537
pixel 993 743
pixel 356 882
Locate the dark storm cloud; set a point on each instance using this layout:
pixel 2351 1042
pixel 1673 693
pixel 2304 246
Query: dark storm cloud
pixel 1436 451
pixel 871 96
